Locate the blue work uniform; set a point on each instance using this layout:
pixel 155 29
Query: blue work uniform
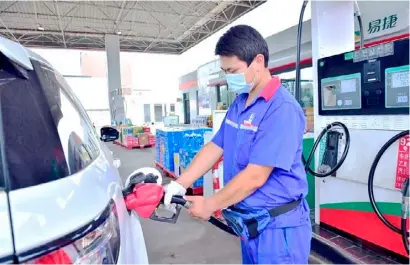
pixel 269 132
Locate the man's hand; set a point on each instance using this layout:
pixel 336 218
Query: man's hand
pixel 201 208
pixel 172 189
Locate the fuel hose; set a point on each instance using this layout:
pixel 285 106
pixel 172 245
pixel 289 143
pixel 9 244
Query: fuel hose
pixel 370 187
pixel 186 204
pixel 325 130
pixel 298 47
pixel 316 144
pixel 404 214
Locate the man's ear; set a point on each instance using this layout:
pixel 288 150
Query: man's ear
pixel 260 59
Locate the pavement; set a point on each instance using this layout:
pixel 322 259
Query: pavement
pixel 189 240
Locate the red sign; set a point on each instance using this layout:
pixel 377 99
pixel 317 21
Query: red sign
pixel 402 168
pixel 188 84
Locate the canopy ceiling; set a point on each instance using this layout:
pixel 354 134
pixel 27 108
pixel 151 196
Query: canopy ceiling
pixel 170 27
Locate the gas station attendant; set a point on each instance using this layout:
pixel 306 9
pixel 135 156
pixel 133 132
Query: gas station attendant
pixel 263 199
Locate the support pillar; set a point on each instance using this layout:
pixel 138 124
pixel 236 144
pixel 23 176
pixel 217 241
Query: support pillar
pixel 332 33
pixel 112 48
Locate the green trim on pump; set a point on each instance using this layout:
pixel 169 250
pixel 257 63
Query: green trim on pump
pixel 391 208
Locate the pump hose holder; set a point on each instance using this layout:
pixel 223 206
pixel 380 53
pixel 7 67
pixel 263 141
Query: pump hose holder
pixel 316 144
pixel 370 187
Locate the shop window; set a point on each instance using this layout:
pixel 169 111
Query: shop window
pixel 231 97
pixel 147 113
pixel 197 102
pixel 224 96
pixel 223 101
pixel 288 78
pixel 187 113
pixel 306 93
pixel 158 112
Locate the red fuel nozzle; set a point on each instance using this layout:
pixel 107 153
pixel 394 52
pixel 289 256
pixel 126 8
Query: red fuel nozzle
pixel 144 199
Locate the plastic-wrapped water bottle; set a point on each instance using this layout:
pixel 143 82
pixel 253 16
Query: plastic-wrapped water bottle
pixel 187 142
pixel 184 142
pixel 199 142
pixel 193 142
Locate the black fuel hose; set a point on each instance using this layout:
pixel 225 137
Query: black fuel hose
pixel 360 22
pixel 316 144
pixel 370 188
pixel 297 96
pixel 221 226
pixel 298 44
pixel 404 236
pixel 181 201
pixel 404 213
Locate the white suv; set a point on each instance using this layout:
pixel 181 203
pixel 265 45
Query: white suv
pixel 60 193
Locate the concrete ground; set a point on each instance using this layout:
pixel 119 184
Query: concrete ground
pixel 187 241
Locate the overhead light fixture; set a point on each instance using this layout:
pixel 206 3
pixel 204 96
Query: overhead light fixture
pixel 119 33
pixel 39 27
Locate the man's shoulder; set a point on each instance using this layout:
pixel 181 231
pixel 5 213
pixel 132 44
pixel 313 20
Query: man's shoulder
pixel 284 96
pixel 284 101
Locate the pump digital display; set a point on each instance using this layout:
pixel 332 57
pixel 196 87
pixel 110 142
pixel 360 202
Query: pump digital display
pixel 400 79
pixel 397 87
pixel 341 92
pixel 374 81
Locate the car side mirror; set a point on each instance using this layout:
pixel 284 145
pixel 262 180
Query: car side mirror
pixel 109 134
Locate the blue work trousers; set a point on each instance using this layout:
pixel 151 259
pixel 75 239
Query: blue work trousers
pixel 290 245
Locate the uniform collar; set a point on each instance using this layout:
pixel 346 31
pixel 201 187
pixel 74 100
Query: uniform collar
pixel 267 92
pixel 270 89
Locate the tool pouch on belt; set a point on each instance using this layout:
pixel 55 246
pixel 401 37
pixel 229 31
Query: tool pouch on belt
pixel 249 223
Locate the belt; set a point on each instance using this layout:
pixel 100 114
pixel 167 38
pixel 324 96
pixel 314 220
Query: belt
pixel 252 223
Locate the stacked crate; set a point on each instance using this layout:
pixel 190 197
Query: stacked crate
pixel 167 143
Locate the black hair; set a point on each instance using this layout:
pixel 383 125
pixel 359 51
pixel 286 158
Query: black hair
pixel 243 42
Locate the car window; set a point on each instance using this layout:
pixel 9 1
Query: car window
pixel 76 133
pixel 46 135
pixel 77 105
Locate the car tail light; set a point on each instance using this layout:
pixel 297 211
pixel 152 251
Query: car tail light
pixel 100 245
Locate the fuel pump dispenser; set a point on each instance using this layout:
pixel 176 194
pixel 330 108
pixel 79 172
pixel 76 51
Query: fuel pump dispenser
pixel 354 85
pixel 363 164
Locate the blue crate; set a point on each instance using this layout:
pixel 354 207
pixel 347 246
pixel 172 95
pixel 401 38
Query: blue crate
pixel 174 140
pixel 198 183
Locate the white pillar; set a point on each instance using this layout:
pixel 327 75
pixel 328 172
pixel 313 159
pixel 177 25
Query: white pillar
pixel 112 48
pixel 332 33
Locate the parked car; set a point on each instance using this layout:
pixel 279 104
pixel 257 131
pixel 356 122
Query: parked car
pixel 61 195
